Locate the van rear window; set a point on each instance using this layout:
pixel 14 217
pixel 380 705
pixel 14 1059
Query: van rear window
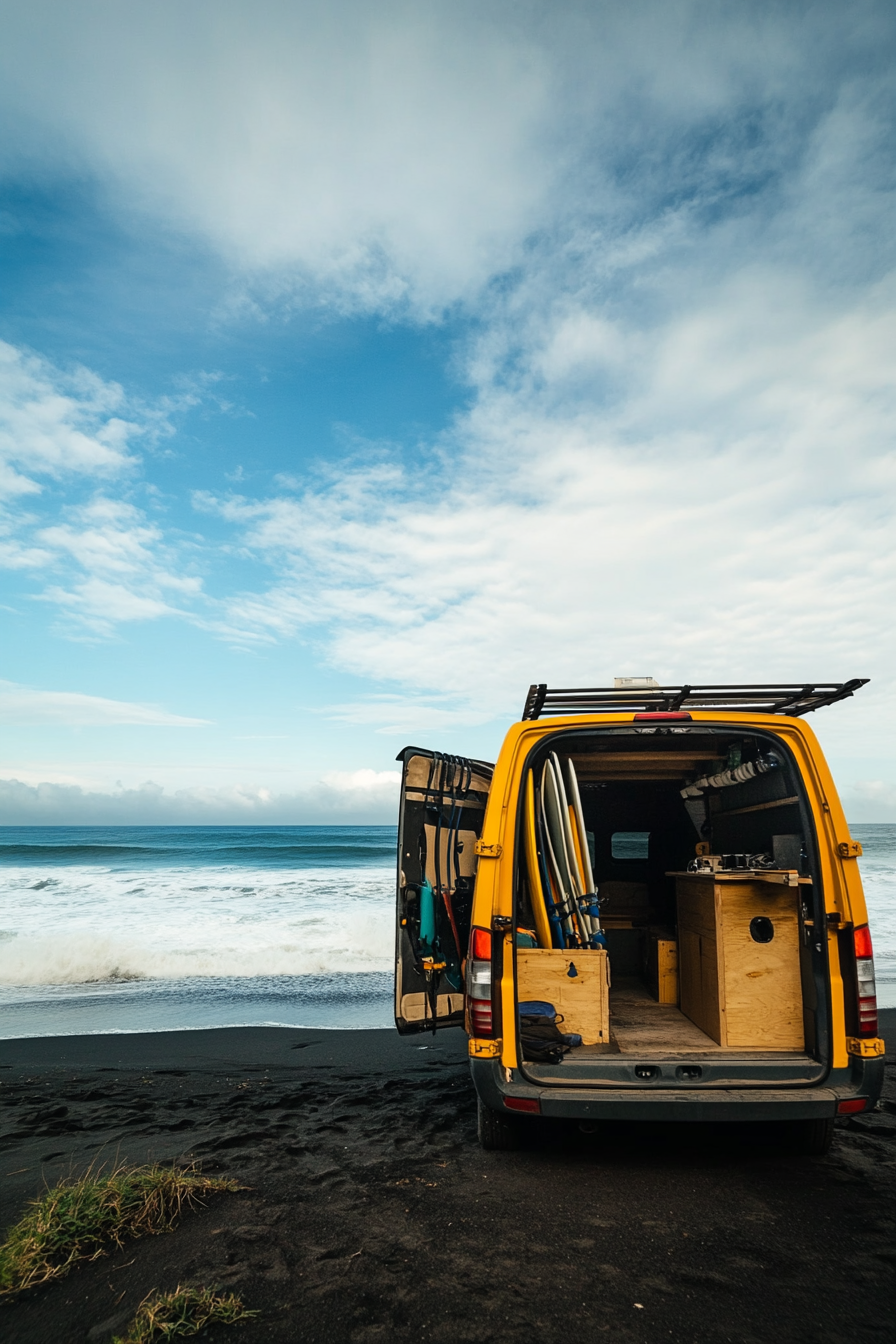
pixel 629 844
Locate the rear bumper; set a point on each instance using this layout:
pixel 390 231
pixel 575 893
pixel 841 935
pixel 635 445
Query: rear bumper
pixel 863 1078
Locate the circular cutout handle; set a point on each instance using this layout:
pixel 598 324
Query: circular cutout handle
pixel 762 930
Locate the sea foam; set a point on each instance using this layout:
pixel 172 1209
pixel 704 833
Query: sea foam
pixel 92 925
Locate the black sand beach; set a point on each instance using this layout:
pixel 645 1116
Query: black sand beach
pixel 370 1213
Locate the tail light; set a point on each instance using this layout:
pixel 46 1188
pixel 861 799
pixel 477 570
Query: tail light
pixel 865 988
pixel 479 983
pixel 663 714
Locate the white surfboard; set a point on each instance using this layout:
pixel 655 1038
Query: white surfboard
pixel 575 874
pixel 576 797
pixel 555 840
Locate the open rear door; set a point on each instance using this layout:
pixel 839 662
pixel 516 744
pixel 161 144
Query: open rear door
pixel 440 819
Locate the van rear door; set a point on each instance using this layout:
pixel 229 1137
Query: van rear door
pixel 440 819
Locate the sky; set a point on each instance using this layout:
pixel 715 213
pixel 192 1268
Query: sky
pixel 363 364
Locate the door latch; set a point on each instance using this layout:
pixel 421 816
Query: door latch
pixel 849 849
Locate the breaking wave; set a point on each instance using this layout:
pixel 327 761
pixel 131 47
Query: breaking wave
pixel 96 926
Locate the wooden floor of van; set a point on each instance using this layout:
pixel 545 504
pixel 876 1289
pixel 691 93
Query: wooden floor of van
pixel 641 1026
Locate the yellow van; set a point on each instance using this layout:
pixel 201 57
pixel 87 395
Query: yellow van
pixel 648 909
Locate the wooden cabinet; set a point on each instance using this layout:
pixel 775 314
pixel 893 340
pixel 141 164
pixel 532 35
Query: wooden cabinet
pixel 739 960
pixel 574 981
pixel 662 965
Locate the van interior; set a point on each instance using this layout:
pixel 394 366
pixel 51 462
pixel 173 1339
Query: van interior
pixel 704 873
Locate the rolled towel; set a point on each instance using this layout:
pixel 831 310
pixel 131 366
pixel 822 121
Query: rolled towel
pixel 537 1008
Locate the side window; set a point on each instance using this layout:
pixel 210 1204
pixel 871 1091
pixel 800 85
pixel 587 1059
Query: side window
pixel 629 844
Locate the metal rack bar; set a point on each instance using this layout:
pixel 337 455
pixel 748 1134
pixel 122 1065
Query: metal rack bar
pixel 749 698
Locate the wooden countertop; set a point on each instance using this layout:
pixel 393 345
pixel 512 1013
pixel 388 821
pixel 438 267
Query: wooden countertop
pixel 782 876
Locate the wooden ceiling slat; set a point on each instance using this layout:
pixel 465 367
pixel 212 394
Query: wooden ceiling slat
pixel 627 757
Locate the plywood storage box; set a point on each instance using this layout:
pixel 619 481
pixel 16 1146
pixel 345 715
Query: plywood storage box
pixel 740 991
pixel 662 966
pixel 575 982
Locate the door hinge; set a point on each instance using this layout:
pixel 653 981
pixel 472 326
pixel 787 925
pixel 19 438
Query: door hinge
pixel 867 1049
pixel 486 851
pixel 849 849
pixel 484 1049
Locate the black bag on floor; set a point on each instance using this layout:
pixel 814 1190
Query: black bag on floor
pixel 541 1040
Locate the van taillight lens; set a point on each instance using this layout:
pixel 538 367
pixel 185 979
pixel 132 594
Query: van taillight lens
pixel 479 983
pixel 865 988
pixel 663 714
pixel 481 944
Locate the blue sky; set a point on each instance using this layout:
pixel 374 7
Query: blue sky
pixel 363 364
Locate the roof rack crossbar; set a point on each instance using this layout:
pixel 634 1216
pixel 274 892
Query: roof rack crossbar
pixel 757 698
pixel 535 701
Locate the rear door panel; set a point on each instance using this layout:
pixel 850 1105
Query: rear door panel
pixel 441 813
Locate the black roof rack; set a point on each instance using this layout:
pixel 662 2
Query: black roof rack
pixel 760 699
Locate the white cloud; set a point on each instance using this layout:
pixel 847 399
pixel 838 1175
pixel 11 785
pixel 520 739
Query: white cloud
pixel 110 536
pixel 405 153
pixel 679 453
pixel 728 514
pixel 871 801
pixel 128 570
pixel 363 781
pixel 360 797
pixel 380 151
pixel 68 428
pixel 407 714
pixel 57 423
pixel 24 705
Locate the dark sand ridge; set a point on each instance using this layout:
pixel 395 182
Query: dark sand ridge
pixel 373 1215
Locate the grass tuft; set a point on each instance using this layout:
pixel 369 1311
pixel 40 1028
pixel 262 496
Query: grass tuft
pixel 186 1311
pixel 77 1219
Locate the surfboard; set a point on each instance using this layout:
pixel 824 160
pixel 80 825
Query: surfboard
pixel 576 878
pixel 577 846
pixel 584 917
pixel 562 925
pixel 583 906
pixel 555 843
pixel 576 799
pixel 553 808
pixel 553 866
pixel 577 819
pixel 539 907
pixel 548 884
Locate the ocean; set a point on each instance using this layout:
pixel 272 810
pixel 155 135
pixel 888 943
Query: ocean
pixel 130 928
